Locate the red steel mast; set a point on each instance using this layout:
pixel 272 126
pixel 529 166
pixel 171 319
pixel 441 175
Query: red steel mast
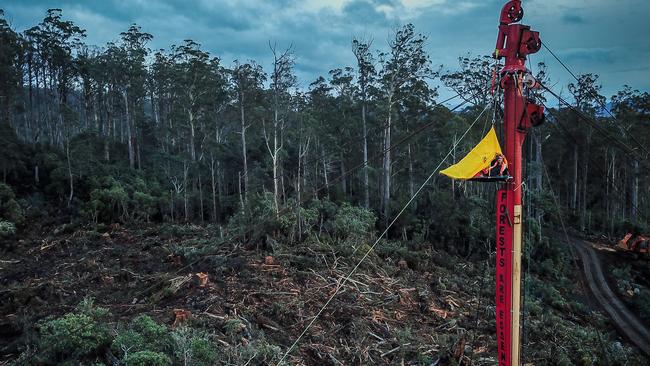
pixel 514 43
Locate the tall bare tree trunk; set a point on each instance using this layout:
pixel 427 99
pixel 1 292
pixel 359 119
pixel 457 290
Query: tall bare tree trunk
pixel 172 207
pixel 366 183
pixel 192 132
pixel 185 200
pixel 276 184
pixel 243 146
pixel 299 206
pixel 241 196
pixel 387 162
pixel 201 198
pixel 325 175
pixel 213 182
pixel 109 118
pixel 129 132
pixel 70 176
pixel 344 180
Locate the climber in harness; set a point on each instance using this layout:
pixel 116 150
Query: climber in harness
pixel 484 163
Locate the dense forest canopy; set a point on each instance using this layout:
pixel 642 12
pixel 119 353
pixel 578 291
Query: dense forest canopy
pixel 124 133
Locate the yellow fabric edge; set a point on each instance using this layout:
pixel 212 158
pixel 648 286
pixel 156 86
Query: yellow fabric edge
pixel 477 159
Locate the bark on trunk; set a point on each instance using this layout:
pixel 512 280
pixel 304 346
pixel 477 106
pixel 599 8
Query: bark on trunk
pixel 366 183
pixel 70 176
pixel 185 200
pixel 213 182
pixel 243 146
pixel 387 164
pixel 200 198
pixel 192 133
pixel 129 131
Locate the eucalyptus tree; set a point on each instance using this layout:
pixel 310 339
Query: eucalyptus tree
pixel 85 63
pixel 191 83
pixel 405 64
pixel 366 75
pixel 134 51
pixel 247 80
pixel 215 129
pixel 414 110
pixel 321 104
pixel 10 78
pixel 195 80
pixel 161 93
pixel 112 77
pixel 586 94
pixel 100 73
pixel 305 134
pixel 473 80
pixel 282 80
pixel 61 39
pixel 341 81
pixel 631 109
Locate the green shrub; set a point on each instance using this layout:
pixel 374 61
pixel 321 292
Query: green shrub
pixel 193 348
pixel 75 335
pixel 233 326
pixel 261 210
pixel 10 209
pixel 108 202
pixel 148 358
pixel 642 302
pixel 153 333
pixel 178 231
pixel 352 221
pixel 127 341
pixel 145 205
pixel 257 352
pixel 143 334
pixel 622 276
pixel 7 229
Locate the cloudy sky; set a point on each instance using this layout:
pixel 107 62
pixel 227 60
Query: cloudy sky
pixel 610 38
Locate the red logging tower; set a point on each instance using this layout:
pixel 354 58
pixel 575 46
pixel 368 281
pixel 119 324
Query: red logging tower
pixel 514 43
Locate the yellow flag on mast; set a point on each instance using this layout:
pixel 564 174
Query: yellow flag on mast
pixel 477 163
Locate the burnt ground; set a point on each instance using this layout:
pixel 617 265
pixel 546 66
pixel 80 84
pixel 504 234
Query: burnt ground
pixel 433 308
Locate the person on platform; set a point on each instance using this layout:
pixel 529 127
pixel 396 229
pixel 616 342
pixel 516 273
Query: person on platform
pixel 498 167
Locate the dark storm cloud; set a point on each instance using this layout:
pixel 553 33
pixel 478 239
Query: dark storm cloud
pixel 365 11
pixel 599 55
pixel 573 19
pixel 599 36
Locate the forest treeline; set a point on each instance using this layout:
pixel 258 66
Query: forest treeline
pixel 123 133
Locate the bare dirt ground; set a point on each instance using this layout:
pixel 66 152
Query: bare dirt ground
pixel 625 320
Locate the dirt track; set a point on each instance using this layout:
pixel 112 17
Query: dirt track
pixel 624 320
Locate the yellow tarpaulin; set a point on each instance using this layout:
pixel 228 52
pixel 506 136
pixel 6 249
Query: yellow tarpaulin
pixel 478 159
